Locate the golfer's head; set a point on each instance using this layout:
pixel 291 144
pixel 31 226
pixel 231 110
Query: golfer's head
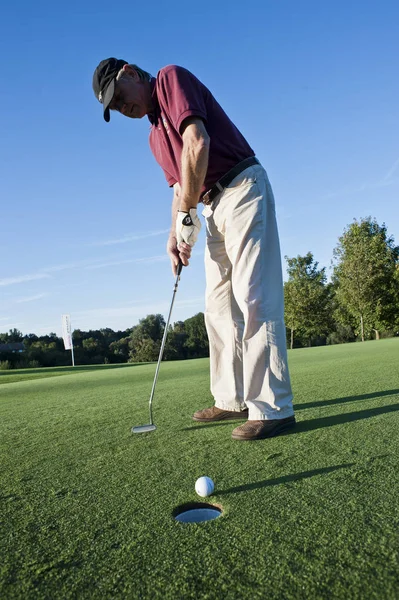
pixel 122 87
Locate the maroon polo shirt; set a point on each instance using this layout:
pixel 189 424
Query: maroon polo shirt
pixel 178 94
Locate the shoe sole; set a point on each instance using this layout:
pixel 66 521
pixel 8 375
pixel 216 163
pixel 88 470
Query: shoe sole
pixel 224 418
pixel 270 434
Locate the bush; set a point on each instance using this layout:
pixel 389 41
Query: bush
pixel 145 350
pixel 21 364
pixel 389 333
pixel 5 365
pixel 34 364
pixel 342 335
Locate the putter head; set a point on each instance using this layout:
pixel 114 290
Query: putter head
pixel 143 428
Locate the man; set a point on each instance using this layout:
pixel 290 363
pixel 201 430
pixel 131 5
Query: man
pixel 206 159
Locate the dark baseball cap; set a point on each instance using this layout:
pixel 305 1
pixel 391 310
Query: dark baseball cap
pixel 104 82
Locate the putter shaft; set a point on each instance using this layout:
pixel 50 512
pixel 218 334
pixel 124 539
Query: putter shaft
pixel 151 426
pixel 165 333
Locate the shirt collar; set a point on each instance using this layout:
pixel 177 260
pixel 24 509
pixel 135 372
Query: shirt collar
pixel 153 117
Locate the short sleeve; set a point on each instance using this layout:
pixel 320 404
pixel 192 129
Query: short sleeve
pixel 171 180
pixel 181 95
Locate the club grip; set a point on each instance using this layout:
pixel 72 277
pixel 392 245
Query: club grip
pixel 179 268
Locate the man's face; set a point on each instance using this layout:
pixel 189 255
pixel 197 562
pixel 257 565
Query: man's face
pixel 132 96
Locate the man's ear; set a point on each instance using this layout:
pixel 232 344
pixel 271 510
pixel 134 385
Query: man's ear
pixel 131 71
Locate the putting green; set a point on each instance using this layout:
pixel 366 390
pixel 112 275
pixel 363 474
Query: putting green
pixel 86 508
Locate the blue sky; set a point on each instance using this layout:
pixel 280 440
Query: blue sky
pixel 85 209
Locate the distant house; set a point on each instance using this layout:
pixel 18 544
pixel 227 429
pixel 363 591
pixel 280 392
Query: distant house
pixel 12 347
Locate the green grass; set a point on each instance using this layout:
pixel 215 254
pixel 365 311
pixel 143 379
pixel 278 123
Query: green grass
pixel 86 507
pixel 13 375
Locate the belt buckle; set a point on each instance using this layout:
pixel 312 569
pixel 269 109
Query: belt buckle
pixel 205 198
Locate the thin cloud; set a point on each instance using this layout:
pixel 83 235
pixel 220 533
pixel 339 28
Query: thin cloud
pixel 97 263
pixel 386 181
pixel 191 301
pixel 44 330
pixel 354 189
pixel 44 273
pixel 130 238
pixel 23 278
pixel 391 171
pixel 149 259
pixel 146 259
pixel 134 311
pixel 74 265
pixel 283 213
pixel 31 298
pixel 9 326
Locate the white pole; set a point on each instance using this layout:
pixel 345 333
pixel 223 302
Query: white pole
pixel 71 333
pixel 73 358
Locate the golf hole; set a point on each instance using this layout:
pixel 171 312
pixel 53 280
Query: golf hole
pixel 197 512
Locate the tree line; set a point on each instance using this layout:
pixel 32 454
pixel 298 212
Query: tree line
pixel 360 302
pixel 141 343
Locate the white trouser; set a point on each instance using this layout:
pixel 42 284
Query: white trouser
pixel 244 300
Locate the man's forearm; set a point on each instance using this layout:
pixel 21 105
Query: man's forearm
pixel 194 167
pixel 194 163
pixel 175 208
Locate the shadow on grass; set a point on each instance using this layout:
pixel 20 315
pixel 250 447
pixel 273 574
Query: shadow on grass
pixel 66 370
pixel 279 480
pixel 312 424
pixel 345 399
pixel 205 424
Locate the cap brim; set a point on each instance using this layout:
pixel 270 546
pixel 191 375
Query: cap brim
pixel 108 95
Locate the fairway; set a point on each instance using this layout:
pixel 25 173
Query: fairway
pixel 86 507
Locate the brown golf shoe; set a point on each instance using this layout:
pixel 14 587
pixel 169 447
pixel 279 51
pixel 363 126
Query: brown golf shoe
pixel 207 415
pixel 259 430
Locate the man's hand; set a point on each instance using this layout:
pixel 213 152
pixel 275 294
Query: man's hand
pixel 188 227
pixel 175 254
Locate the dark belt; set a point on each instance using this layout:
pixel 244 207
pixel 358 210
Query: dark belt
pixel 224 181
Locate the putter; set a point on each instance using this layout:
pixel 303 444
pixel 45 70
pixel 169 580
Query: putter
pixel 151 426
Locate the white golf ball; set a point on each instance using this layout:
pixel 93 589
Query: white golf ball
pixel 204 486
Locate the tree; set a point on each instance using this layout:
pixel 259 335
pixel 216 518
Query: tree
pixel 307 298
pixel 119 350
pixel 292 316
pixel 197 342
pixel 365 275
pixel 175 346
pixel 47 351
pixel 14 335
pixel 29 338
pixel 145 339
pixel 151 327
pixel 77 337
pixel 146 350
pixel 92 346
